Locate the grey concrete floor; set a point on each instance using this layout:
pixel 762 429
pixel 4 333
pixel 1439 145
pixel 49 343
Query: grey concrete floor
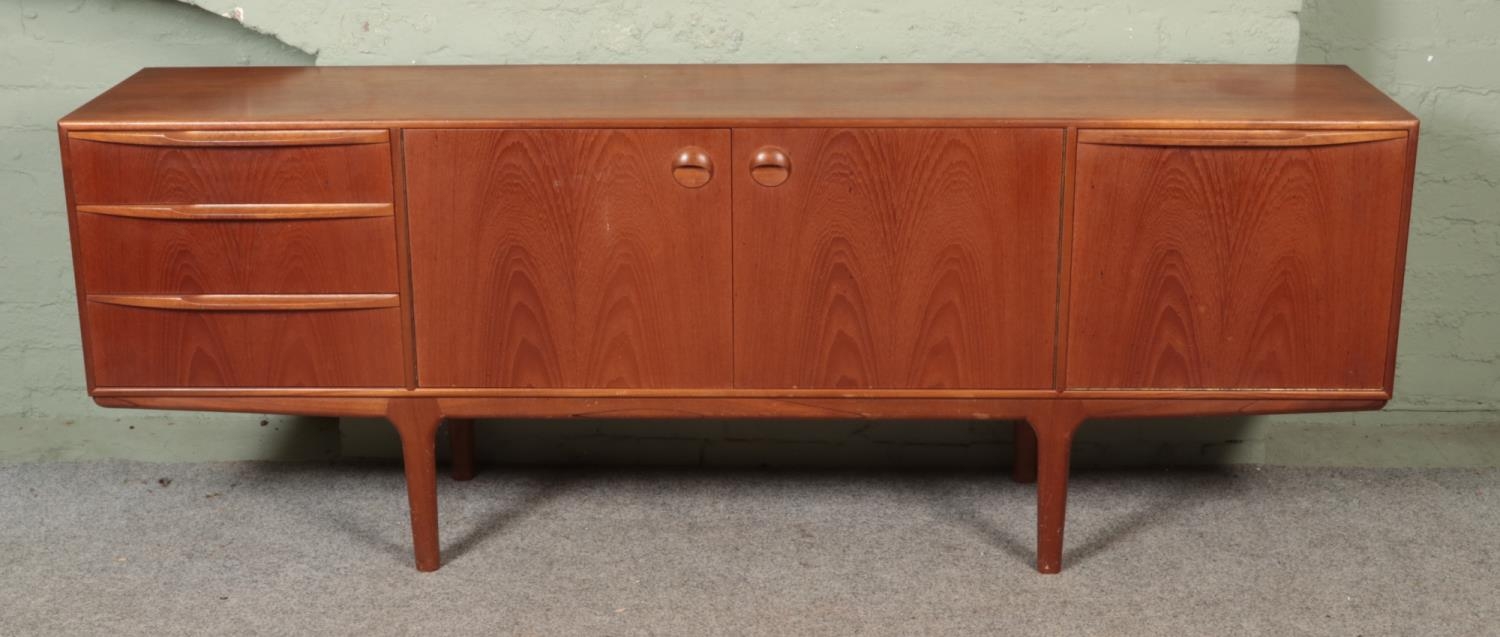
pixel 116 548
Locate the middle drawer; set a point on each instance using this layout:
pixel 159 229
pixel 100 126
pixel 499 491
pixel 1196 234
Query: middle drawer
pixel 126 254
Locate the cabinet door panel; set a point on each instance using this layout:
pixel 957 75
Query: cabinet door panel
pixel 897 258
pixel 568 258
pixel 1234 268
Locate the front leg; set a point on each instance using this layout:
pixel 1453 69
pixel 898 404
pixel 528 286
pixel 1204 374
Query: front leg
pixel 1054 434
pixel 417 420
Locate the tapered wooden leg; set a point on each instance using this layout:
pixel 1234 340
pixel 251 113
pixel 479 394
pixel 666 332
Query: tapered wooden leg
pixel 417 421
pixel 1054 435
pixel 1024 468
pixel 461 445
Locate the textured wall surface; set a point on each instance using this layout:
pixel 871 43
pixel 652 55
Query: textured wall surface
pixel 614 31
pixel 1436 57
pixel 54 56
pixel 1439 59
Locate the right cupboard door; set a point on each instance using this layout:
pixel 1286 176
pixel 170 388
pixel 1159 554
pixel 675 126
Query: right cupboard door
pixel 919 258
pixel 1235 259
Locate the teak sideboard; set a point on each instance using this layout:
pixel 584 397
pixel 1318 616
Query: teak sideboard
pixel 1034 243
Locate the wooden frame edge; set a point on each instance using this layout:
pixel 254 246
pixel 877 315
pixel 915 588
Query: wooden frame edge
pixel 748 407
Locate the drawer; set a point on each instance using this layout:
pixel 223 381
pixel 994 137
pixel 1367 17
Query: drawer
pixel 203 249
pixel 245 341
pixel 230 167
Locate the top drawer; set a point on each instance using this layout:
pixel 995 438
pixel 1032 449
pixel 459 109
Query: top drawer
pixel 229 167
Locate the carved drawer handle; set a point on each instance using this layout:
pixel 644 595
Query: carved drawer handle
pixel 770 166
pixel 692 167
pixel 1233 138
pixel 243 212
pixel 250 302
pixel 237 137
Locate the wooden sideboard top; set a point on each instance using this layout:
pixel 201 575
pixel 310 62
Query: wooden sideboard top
pixel 1105 95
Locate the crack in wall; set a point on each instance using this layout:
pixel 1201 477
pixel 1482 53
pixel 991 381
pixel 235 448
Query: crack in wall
pixel 236 14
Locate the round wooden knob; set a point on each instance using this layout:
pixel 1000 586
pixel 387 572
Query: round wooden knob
pixel 692 167
pixel 770 166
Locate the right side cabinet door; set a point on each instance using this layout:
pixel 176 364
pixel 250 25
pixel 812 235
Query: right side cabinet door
pixel 1235 261
pixel 919 258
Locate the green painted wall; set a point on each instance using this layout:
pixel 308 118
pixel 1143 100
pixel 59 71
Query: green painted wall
pixel 54 56
pixel 1436 57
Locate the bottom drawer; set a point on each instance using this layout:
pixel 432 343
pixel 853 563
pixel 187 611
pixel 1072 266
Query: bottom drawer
pixel 152 347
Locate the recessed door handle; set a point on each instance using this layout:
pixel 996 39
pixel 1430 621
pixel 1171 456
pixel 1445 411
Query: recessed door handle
pixel 692 167
pixel 770 166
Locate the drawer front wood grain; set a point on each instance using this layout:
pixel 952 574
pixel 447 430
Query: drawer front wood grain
pixel 112 172
pixel 896 258
pixel 147 347
pixel 142 255
pixel 570 258
pixel 1199 267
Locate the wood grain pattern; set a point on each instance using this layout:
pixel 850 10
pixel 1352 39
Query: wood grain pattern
pixel 107 173
pixel 898 258
pixel 249 302
pixel 1277 138
pixel 245 212
pixel 720 95
pixel 133 346
pixel 1234 268
pixel 237 138
pixel 567 258
pixel 134 255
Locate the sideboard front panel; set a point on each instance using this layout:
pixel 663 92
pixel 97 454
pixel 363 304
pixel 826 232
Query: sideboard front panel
pixel 569 258
pixel 1253 267
pixel 896 258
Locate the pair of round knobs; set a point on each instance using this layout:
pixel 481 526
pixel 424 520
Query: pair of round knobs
pixel 769 166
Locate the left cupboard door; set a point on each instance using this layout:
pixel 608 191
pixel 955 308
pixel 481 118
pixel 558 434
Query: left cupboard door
pixel 591 258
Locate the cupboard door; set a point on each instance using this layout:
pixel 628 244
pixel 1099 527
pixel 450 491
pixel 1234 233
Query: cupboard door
pixel 896 258
pixel 570 258
pixel 1234 267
